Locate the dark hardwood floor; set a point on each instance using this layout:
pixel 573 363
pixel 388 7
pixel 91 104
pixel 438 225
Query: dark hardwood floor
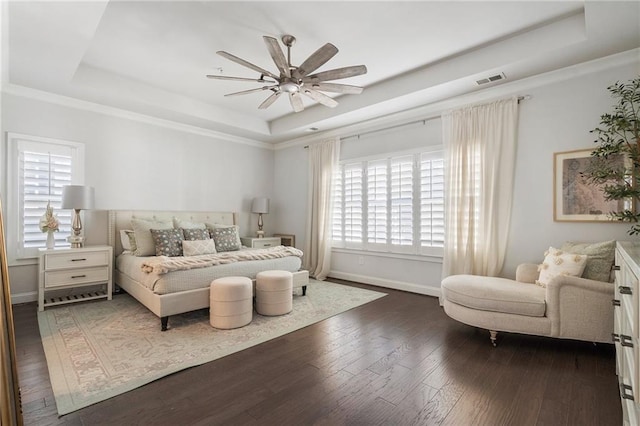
pixel 396 361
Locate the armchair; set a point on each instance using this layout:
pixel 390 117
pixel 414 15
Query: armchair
pixel 568 308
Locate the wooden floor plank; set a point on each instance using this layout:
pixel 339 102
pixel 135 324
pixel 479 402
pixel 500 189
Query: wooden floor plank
pixel 396 361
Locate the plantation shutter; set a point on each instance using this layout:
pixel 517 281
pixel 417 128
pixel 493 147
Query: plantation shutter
pixel 353 226
pixel 42 176
pixel 41 170
pixel 402 201
pixel 377 198
pixel 431 201
pixel 336 218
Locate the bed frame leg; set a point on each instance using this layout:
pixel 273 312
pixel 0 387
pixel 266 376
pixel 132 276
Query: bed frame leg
pixel 304 290
pixel 164 321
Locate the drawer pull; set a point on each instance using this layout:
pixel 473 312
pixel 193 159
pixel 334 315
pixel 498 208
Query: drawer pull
pixel 78 260
pixel 615 302
pixel 615 337
pixel 623 391
pixel 266 245
pixel 616 267
pixel 78 276
pixel 626 341
pixel 625 290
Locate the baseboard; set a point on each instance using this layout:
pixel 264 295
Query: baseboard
pixel 381 282
pixel 30 296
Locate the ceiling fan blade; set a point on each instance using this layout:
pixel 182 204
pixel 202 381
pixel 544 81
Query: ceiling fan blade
pixel 270 100
pixel 249 65
pixel 296 101
pixel 224 77
pixel 244 92
pixel 316 60
pixel 336 74
pixel 277 55
pixel 320 97
pixel 337 88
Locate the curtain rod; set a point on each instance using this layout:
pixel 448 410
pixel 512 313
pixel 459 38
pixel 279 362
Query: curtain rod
pixel 423 121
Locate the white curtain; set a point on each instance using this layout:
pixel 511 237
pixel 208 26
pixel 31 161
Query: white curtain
pixel 323 164
pixel 480 145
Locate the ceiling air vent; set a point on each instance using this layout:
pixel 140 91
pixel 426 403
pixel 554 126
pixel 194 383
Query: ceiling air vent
pixel 491 79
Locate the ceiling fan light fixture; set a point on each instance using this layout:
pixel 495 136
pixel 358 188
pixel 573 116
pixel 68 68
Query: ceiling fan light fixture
pixel 296 80
pixel 289 87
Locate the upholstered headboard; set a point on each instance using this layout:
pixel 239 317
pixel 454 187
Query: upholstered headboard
pixel 121 219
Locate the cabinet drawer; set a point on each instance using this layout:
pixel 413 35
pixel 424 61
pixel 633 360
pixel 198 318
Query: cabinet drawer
pixel 75 277
pixel 76 260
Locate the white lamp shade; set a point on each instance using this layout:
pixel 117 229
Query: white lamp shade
pixel 77 197
pixel 260 205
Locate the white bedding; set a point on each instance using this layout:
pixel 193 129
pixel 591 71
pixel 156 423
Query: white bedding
pixel 178 281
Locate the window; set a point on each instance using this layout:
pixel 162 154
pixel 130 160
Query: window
pixel 393 204
pixel 38 169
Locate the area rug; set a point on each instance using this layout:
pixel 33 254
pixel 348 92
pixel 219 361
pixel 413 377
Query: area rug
pixel 101 349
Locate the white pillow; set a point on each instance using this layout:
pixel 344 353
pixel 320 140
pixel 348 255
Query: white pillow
pixel 145 246
pixel 557 262
pixel 127 238
pixel 198 247
pixel 185 224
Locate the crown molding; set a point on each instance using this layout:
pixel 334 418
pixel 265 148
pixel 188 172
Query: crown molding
pixel 435 109
pixel 40 95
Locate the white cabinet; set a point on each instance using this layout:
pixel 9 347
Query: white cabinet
pixel 62 271
pixel 626 333
pixel 265 242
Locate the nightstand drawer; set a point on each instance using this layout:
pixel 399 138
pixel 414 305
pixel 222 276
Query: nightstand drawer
pixel 76 260
pixel 75 277
pixel 266 242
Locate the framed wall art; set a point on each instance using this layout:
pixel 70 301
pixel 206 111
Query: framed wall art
pixel 574 199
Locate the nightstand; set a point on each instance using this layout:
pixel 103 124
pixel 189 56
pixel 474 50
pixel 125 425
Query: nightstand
pixel 255 242
pixel 70 268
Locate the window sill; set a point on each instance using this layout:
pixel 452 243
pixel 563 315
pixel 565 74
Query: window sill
pixel 404 256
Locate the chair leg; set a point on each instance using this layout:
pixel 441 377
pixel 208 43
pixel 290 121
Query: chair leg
pixel 492 336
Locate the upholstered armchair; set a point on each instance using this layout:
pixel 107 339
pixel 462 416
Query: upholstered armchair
pixel 569 307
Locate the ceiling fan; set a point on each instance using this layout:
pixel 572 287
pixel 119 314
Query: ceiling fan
pixel 297 81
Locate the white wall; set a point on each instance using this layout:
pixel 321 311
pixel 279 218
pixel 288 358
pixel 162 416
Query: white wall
pixel 557 118
pixel 135 165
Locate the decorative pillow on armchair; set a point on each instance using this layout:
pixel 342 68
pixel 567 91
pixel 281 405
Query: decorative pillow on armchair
pixel 558 262
pixel 600 258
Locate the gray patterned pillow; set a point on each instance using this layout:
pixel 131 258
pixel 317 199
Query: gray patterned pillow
pixel 195 234
pixel 600 257
pixel 168 241
pixel 226 239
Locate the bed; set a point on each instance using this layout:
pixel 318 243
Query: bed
pixel 181 291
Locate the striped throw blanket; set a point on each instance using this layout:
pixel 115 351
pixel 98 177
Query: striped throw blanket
pixel 163 264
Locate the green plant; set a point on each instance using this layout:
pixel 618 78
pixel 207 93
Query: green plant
pixel 618 137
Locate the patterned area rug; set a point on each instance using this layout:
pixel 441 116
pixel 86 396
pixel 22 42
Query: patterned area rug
pixel 98 350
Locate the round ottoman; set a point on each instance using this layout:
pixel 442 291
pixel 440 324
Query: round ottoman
pixel 231 302
pixel 274 292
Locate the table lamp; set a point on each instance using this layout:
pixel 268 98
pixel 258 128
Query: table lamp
pixel 77 197
pixel 260 205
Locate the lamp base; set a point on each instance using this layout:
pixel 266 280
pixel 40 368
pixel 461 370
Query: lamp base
pixel 77 241
pixel 260 234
